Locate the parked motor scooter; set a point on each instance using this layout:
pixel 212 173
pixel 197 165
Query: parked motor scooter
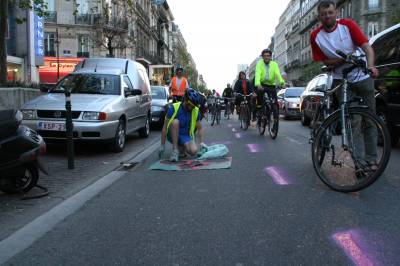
pixel 20 148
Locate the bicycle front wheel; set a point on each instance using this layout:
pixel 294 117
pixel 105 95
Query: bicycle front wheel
pixel 360 163
pixel 273 125
pixel 244 117
pixel 218 115
pixel 213 115
pixel 261 121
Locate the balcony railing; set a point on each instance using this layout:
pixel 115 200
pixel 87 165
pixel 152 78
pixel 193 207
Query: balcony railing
pixel 113 23
pixel 86 19
pixel 51 16
pixel 141 52
pixel 142 13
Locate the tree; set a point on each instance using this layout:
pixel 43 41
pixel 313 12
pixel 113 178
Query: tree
pixel 309 71
pixel 38 6
pixel 396 16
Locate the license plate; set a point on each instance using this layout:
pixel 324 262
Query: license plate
pixel 51 126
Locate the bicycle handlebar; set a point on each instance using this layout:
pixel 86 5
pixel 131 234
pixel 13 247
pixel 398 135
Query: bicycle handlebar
pixel 355 60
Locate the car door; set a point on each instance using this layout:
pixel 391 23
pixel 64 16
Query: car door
pixel 388 63
pixel 306 99
pixel 145 98
pixel 132 103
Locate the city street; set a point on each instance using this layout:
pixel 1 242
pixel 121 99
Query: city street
pixel 269 208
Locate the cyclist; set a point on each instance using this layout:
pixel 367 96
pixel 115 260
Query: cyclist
pixel 182 121
pixel 242 86
pixel 267 78
pixel 178 85
pixel 227 93
pixel 345 35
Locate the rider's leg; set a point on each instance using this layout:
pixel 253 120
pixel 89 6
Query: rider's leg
pixel 365 90
pixel 191 147
pixel 174 133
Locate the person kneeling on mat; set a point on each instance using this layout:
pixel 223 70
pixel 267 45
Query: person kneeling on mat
pixel 182 121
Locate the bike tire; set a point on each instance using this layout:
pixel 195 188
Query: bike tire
pixel 245 122
pixel 329 126
pixel 261 122
pixel 218 115
pixel 273 125
pixel 213 117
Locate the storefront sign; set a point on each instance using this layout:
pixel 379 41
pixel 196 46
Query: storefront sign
pixel 39 39
pixel 48 73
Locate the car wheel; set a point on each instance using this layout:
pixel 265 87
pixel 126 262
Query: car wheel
pixel 118 142
pixel 144 132
pixel 285 115
pixel 305 121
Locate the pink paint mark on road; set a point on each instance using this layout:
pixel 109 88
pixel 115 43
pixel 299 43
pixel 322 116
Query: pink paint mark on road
pixel 253 148
pixel 277 177
pixel 350 243
pixel 238 135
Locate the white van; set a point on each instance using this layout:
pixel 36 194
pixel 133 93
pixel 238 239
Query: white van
pixel 110 98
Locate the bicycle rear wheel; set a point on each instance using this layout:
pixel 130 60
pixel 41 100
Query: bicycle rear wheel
pixel 362 163
pixel 273 125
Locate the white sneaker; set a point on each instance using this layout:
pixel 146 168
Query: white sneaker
pixel 174 156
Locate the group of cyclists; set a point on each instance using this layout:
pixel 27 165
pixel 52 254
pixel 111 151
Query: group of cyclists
pixel 183 119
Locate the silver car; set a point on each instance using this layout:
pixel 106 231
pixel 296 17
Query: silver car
pixel 289 101
pixel 107 104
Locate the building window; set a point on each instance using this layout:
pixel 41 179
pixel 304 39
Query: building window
pixel 372 29
pixel 51 5
pixel 83 45
pixel 373 4
pixel 49 41
pixel 82 6
pixel 349 10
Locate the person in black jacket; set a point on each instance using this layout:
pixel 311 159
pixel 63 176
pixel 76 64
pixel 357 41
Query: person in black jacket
pixel 242 86
pixel 228 93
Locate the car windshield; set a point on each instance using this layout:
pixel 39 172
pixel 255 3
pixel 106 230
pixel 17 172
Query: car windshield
pixel 89 84
pixel 158 93
pixel 294 93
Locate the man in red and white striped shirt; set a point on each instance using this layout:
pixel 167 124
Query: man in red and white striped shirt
pixel 346 36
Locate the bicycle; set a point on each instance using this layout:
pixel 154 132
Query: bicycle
pixel 244 112
pixel 339 159
pixel 267 113
pixel 229 107
pixel 215 110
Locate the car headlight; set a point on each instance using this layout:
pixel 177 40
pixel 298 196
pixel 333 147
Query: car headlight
pixel 28 114
pixel 156 108
pixel 293 105
pixel 94 116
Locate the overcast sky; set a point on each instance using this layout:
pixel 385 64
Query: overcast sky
pixel 220 34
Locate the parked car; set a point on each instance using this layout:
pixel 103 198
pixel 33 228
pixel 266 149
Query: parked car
pixel 310 98
pixel 386 45
pixel 159 104
pixel 289 101
pixel 110 98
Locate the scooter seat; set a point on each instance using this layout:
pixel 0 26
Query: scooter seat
pixel 8 123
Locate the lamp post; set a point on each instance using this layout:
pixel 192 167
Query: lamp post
pixel 69 130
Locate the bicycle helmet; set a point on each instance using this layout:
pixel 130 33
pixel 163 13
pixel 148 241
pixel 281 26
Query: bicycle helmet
pixel 193 96
pixel 266 51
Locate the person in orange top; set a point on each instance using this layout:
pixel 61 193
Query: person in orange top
pixel 178 85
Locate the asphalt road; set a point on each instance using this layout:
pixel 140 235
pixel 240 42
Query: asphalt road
pixel 268 209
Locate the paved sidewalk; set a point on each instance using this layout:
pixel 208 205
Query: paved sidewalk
pixel 92 161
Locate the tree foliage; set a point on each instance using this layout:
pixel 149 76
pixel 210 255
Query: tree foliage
pixel 309 71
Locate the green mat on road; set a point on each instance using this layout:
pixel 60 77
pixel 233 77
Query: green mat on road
pixel 186 165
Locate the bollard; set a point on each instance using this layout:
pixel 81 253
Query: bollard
pixel 69 127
